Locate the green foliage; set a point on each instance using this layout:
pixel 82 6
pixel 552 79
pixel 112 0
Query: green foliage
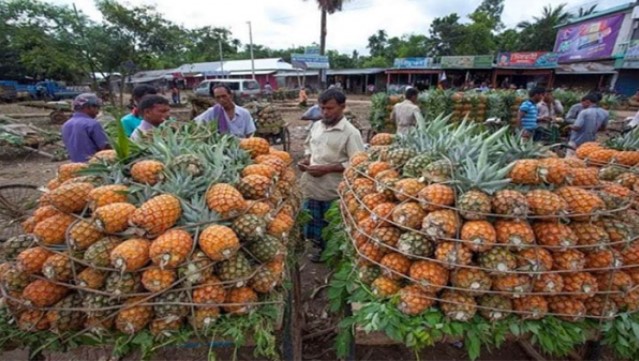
pixel 622 335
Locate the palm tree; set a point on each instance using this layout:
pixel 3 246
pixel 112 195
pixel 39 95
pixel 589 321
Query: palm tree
pixel 327 7
pixel 585 12
pixel 541 32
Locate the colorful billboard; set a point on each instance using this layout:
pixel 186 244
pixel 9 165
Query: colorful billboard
pixel 412 63
pixel 533 59
pixel 467 62
pixel 590 40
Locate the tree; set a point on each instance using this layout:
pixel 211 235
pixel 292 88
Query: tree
pixel 377 43
pixel 478 36
pixel 507 40
pixel 327 7
pixel 445 33
pixel 493 10
pixel 587 11
pixel 540 34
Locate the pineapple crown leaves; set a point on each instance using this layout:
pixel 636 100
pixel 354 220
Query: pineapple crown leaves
pixel 627 141
pixel 512 147
pixel 481 174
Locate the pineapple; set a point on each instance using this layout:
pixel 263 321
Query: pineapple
pixel 255 187
pixel 569 260
pixel 98 311
pixel 377 167
pixel 62 319
pixel 14 280
pixel 41 293
pixel 408 215
pixel 441 224
pixel 30 260
pixel 368 273
pixel 165 305
pixel 431 276
pixel 53 184
pixel 474 281
pixel 534 260
pixel 43 213
pixel 395 266
pixel 474 205
pixel 546 203
pixel 580 285
pixel 275 162
pixel 109 194
pixel 10 249
pixel 615 196
pixel 131 255
pixel 631 254
pixel 70 170
pixel 33 320
pixel 583 177
pixel 249 228
pixel 498 260
pixel 548 283
pixel 240 301
pixel 495 307
pixel 155 279
pixel 516 286
pixel 415 166
pixel 162 329
pixel 510 203
pixel 104 156
pixel 255 146
pixel 264 281
pixel 603 260
pixel 526 172
pixel 120 284
pixel 382 139
pixel 203 318
pixel 158 214
pixel 627 180
pixel 189 164
pixel 225 200
pixel 415 244
pixel 260 169
pixel 260 209
pixel 114 218
pixel 59 267
pixel 387 235
pixel 567 308
pixel 266 249
pixel 590 237
pixel 453 254
pixel 52 231
pixel 601 156
pixel 438 171
pixel 398 157
pixel 284 156
pixel 98 254
pixel 479 236
pixel 414 301
pixel 553 170
pixel 235 270
pixel 516 233
pixel 619 232
pixel 133 317
pixel 581 203
pixel 555 236
pixel 458 306
pixel 610 172
pixel 219 242
pixel 531 307
pixel 601 306
pixel 171 249
pixel 91 278
pixel 372 252
pixel 211 293
pixel 147 172
pixel 587 148
pixel 83 234
pixel 407 189
pixel 435 196
pixel 384 287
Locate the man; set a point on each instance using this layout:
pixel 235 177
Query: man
pixel 591 120
pixel 407 114
pixel 82 134
pixel 303 97
pixel 230 118
pixel 549 108
pixel 328 148
pixel 175 93
pixel 154 110
pixel 573 112
pixel 313 113
pixel 527 116
pixel 133 119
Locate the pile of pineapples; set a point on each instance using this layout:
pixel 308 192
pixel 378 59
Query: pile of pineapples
pixel 454 217
pixel 268 120
pixel 193 226
pixel 621 150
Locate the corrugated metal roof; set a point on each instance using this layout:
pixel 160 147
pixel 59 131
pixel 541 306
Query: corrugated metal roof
pixel 152 75
pixel 274 64
pixel 295 74
pixel 363 71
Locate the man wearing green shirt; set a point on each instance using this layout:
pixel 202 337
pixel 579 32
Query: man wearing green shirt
pixel 132 120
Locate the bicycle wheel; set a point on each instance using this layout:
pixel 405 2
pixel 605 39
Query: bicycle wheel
pixel 17 202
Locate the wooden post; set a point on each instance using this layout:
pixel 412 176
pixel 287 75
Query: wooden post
pixel 494 80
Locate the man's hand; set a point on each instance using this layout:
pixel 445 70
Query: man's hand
pixel 317 170
pixel 303 164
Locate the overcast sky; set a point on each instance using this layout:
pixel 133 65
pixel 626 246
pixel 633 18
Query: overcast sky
pixel 284 23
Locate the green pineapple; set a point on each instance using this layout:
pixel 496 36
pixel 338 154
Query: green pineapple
pixel 189 164
pixel 438 171
pixel 249 227
pixel 415 244
pixel 236 269
pixel 62 319
pixel 369 273
pixel 120 284
pixel 197 269
pixel 499 260
pixel 97 255
pixel 266 249
pixel 10 249
pixel 416 165
pixel 264 281
pixel 97 310
pixel 495 307
pixel 165 310
pixel 399 156
pixel 15 280
pixel 611 172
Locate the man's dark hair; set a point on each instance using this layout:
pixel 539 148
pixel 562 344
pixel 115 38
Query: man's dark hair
pixel 411 92
pixel 220 86
pixel 150 100
pixel 597 95
pixel 142 90
pixel 536 91
pixel 593 98
pixel 332 94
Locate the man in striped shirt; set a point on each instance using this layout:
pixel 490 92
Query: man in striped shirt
pixel 527 116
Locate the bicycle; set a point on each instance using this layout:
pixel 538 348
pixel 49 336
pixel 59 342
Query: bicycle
pixel 17 203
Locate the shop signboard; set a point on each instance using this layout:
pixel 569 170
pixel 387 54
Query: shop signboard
pixel 467 62
pixel 589 40
pixel 304 61
pixel 533 59
pixel 412 63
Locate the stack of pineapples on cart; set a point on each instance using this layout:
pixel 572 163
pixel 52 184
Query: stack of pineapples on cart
pixel 268 120
pixel 193 228
pixel 474 224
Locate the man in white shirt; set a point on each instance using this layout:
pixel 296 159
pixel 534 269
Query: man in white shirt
pixel 407 114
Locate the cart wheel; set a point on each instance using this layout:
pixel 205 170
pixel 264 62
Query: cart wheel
pixel 17 202
pixel 286 139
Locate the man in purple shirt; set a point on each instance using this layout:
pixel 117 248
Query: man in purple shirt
pixel 82 134
pixel 230 117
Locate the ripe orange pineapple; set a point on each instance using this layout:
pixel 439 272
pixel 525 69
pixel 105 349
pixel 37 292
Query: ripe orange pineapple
pixel 162 328
pixel 84 233
pixel 255 146
pixel 431 276
pixel 239 301
pixel 70 198
pixel 458 306
pixel 453 254
pixel 546 203
pixel 517 233
pixel 41 293
pixel 171 248
pixel 30 260
pixel 553 170
pixel 134 316
pixel 377 167
pixel 414 301
pixel 627 158
pixel 590 235
pixel 70 170
pixel 109 194
pixel 510 203
pixel 587 148
pixel 619 231
pixel 531 307
pixel 158 214
pixel 407 189
pixel 580 285
pixel 114 218
pixel 59 268
pixel 33 320
pixel 525 171
pixel 567 308
pixel 555 236
pixel 603 260
pixel 131 255
pixel 260 169
pixel 225 200
pixel 408 215
pixel 91 278
pixel 264 281
pixel 385 287
pixel 273 161
pixel 43 213
pixel 480 236
pixel 517 286
pixel 434 196
pixel 601 156
pixel 473 281
pixel 534 259
pixel 52 230
pixel 382 139
pixel 107 155
pixel 28 225
pixel 53 184
pixel 372 252
pixel 386 235
pixel 155 279
pixel 583 177
pixel 569 260
pixel 284 156
pixel 219 242
pixel 601 306
pixel 631 254
pixel 281 225
pixel 384 212
pixel 395 266
pixel 370 201
pixel 147 172
pixel 548 283
pixel 363 186
pixel 258 208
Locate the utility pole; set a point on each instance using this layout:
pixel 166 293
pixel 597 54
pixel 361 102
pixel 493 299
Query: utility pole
pixel 219 43
pixel 252 57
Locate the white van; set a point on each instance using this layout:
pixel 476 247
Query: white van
pixel 243 88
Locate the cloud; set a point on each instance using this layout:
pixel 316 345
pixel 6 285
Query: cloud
pixel 285 23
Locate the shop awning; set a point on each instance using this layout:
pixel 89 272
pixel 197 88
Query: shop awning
pixel 249 72
pixel 413 71
pixel 588 68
